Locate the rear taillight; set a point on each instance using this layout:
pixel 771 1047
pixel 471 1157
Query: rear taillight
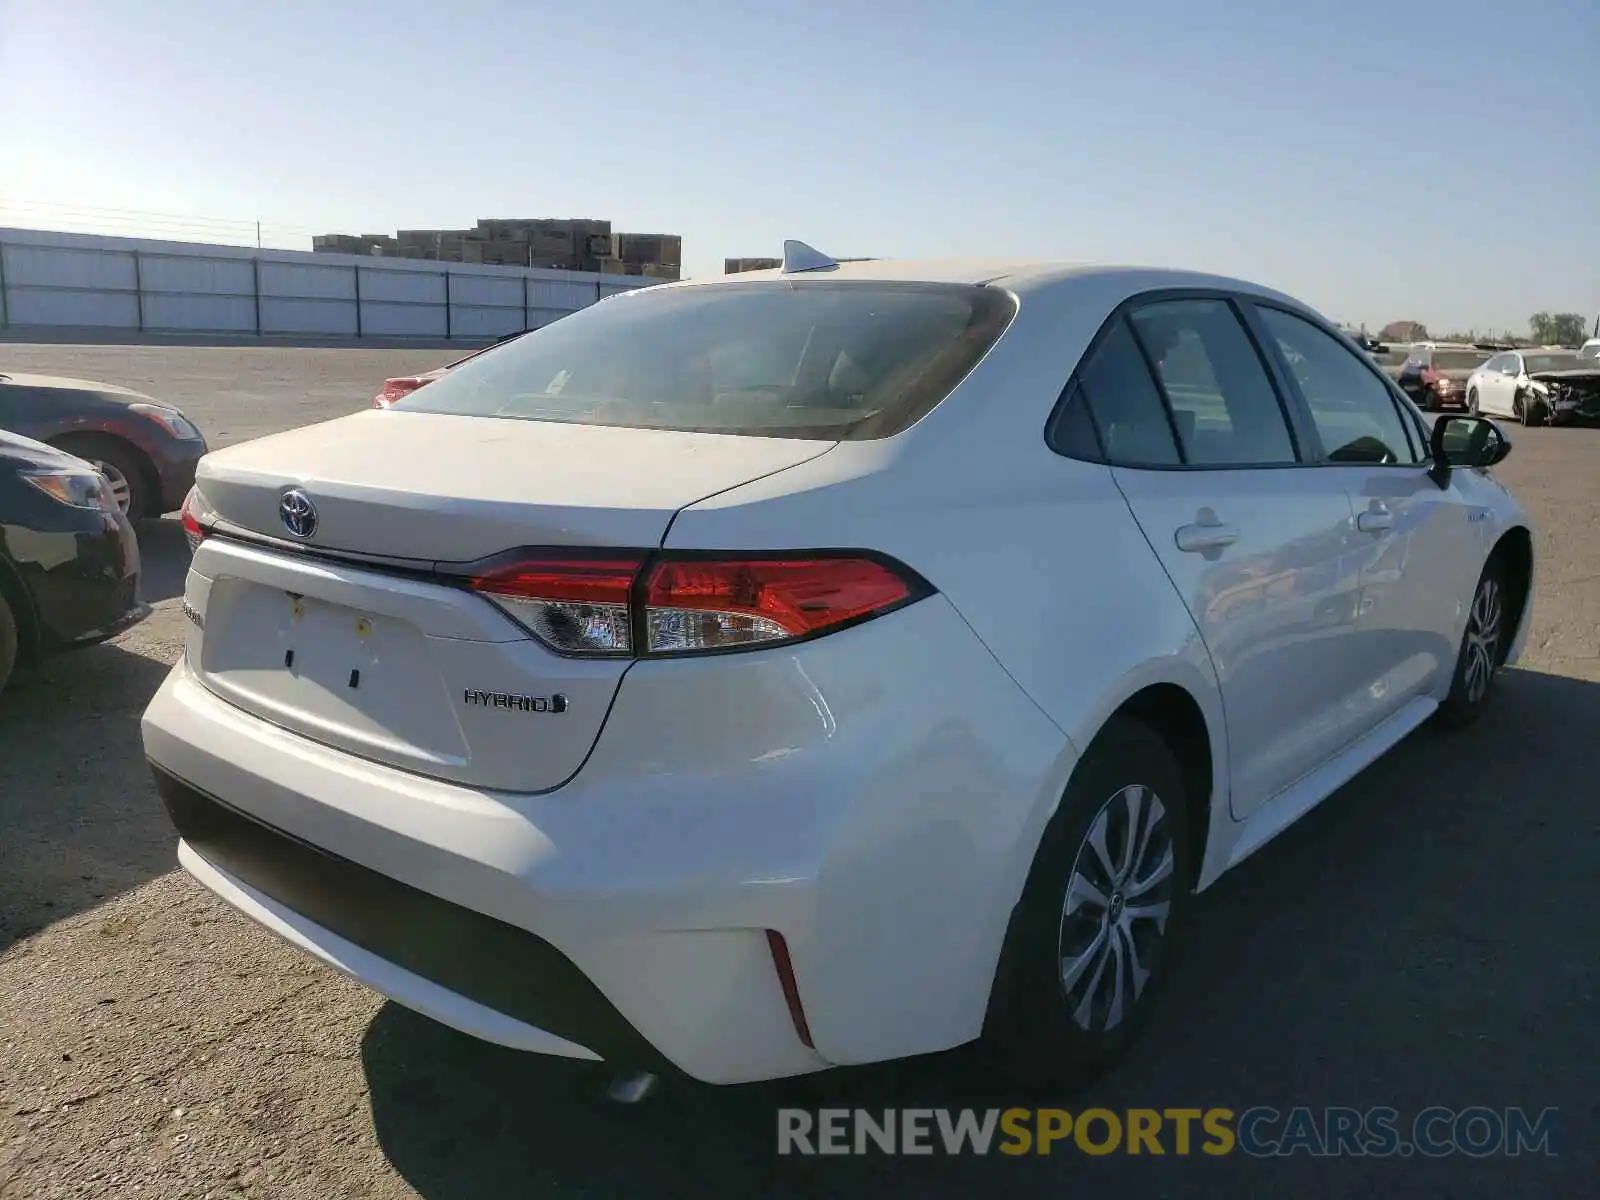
pixel 575 605
pixel 717 603
pixel 395 389
pixel 193 531
pixel 635 603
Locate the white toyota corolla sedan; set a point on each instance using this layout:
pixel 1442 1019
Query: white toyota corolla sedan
pixel 822 665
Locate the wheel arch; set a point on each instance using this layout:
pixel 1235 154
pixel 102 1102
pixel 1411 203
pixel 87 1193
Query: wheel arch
pixel 89 438
pixel 1182 705
pixel 1513 552
pixel 30 633
pixel 1175 715
pixel 1179 697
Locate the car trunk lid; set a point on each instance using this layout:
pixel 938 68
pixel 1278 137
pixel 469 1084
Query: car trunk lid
pixel 401 662
pixel 430 487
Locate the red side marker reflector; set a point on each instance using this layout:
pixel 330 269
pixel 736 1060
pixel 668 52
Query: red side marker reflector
pixel 791 989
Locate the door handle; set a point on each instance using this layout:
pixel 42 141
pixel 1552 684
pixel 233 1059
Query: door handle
pixel 1375 520
pixel 1206 536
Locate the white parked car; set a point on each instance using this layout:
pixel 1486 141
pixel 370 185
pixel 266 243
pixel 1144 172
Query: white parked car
pixel 822 665
pixel 1527 385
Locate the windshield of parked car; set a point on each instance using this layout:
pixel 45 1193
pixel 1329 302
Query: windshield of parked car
pixel 1459 360
pixel 1590 351
pixel 820 360
pixel 1550 362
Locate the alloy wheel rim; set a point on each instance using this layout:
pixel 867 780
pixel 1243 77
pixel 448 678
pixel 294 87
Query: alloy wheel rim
pixel 1483 639
pixel 121 490
pixel 1114 915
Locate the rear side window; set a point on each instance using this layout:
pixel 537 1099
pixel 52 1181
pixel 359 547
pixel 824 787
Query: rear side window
pixel 1225 407
pixel 1115 387
pixel 816 360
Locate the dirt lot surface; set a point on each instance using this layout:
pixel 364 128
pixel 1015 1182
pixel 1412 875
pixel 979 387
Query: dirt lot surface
pixel 1431 935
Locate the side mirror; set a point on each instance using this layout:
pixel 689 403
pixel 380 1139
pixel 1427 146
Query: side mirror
pixel 1467 442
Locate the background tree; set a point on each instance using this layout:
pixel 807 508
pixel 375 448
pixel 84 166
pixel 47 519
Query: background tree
pixel 1556 329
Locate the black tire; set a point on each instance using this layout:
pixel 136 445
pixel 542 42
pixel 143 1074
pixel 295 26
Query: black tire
pixel 126 461
pixel 1036 1026
pixel 1533 411
pixel 1472 402
pixel 8 642
pixel 1472 685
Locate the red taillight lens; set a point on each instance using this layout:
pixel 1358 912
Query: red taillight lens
pixel 394 389
pixel 596 604
pixel 718 603
pixel 194 532
pixel 576 605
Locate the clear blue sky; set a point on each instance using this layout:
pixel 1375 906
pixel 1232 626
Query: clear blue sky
pixel 1431 160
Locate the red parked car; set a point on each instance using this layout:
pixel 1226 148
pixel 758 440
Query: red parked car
pixel 402 385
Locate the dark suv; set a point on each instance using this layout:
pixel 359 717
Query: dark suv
pixel 1436 376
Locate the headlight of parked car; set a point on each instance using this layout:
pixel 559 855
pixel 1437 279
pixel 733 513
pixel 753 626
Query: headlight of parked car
pixel 170 419
pixel 79 489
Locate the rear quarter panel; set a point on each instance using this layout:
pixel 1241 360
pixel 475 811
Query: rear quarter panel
pixel 1038 554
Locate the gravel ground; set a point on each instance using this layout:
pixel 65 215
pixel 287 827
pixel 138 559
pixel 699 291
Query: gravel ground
pixel 1426 937
pixel 235 393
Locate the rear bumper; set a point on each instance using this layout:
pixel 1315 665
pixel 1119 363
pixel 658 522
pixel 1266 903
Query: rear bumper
pixel 881 821
pixel 420 950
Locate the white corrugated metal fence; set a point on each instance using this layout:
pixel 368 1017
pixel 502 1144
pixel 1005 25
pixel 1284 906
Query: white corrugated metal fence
pixel 85 281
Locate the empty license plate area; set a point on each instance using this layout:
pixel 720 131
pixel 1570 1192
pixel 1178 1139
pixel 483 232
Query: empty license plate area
pixel 355 677
pixel 421 676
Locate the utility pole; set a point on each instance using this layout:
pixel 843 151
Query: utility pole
pixel 258 235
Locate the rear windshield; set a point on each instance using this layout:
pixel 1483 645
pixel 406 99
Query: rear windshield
pixel 1551 362
pixel 817 360
pixel 1459 360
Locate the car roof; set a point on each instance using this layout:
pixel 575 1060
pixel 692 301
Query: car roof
pixel 1020 275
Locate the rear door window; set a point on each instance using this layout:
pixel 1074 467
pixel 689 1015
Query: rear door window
pixel 1225 407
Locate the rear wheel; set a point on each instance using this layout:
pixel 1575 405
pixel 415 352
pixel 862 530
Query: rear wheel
pixel 8 641
pixel 1483 645
pixel 1092 938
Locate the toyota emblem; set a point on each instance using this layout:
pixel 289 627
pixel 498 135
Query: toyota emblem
pixel 298 513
